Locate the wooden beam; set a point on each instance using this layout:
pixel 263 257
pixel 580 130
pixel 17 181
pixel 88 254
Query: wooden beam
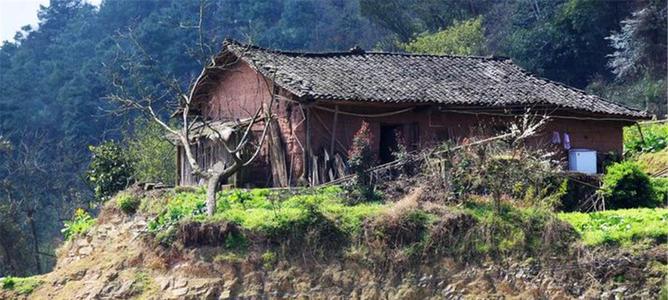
pixel 307 151
pixel 277 156
pixel 334 123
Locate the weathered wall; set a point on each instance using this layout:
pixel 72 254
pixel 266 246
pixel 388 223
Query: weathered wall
pixel 241 91
pixel 435 126
pixel 238 96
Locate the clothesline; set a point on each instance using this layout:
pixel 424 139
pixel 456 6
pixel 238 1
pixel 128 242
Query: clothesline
pixel 387 114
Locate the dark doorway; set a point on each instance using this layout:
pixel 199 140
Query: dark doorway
pixel 388 142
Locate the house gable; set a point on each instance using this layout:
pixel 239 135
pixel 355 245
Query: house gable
pixel 236 94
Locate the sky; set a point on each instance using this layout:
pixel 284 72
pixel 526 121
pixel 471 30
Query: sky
pixel 15 14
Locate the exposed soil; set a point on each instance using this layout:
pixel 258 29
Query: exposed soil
pixel 118 259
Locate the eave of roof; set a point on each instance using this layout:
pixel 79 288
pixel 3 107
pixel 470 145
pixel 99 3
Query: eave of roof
pixel 290 71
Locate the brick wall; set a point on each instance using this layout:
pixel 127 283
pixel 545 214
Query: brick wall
pixel 242 90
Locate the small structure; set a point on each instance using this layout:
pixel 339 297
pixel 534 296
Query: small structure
pixel 321 100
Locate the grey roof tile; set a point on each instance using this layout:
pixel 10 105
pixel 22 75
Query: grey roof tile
pixel 411 78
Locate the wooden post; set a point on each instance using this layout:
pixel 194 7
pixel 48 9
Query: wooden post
pixel 277 156
pixel 329 161
pixel 307 151
pixel 178 166
pixel 642 138
pixel 334 123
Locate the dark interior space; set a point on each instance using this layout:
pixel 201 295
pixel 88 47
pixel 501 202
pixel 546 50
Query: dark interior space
pixel 388 142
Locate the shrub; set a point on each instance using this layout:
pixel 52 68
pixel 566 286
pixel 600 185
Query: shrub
pixel 154 157
pixel 110 170
pixel 660 186
pixel 361 158
pixel 625 185
pixel 462 38
pixel 128 203
pixel 269 259
pixel 79 225
pixel 8 283
pixel 23 286
pixel 497 169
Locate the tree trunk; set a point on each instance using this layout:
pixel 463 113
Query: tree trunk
pixel 8 259
pixel 33 230
pixel 212 187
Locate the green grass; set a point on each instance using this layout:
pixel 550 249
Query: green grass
pixel 22 286
pixel 654 138
pixel 512 229
pixel 624 227
pixel 268 211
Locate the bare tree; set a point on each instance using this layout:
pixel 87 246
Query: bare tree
pixel 147 98
pixel 24 164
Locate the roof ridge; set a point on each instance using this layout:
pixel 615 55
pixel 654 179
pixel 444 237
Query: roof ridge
pixel 229 41
pixel 303 75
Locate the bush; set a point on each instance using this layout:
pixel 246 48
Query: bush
pixel 660 186
pixel 22 286
pixel 625 185
pixel 361 158
pixel 128 203
pixel 153 156
pixel 8 283
pixel 462 38
pixel 110 170
pixel 79 225
pixel 496 169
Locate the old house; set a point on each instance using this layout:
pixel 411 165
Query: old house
pixel 321 100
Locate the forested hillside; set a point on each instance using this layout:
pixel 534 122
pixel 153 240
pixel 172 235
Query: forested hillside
pixel 55 78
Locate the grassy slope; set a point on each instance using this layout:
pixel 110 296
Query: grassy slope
pixel 274 213
pixel 624 227
pixel 387 228
pixel 263 210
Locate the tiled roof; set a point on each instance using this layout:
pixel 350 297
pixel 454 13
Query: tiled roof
pixel 411 78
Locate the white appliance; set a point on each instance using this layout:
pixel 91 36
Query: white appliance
pixel 582 160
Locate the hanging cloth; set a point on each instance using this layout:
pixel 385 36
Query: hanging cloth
pixel 556 138
pixel 567 141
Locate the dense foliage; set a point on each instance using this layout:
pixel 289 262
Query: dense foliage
pixel 110 171
pixel 625 185
pixel 22 286
pixel 152 155
pixel 54 78
pixel 462 38
pixel 360 159
pixel 645 138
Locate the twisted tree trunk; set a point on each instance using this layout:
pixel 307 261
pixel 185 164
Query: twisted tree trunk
pixel 212 188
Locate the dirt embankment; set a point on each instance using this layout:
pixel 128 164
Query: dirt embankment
pixel 118 259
